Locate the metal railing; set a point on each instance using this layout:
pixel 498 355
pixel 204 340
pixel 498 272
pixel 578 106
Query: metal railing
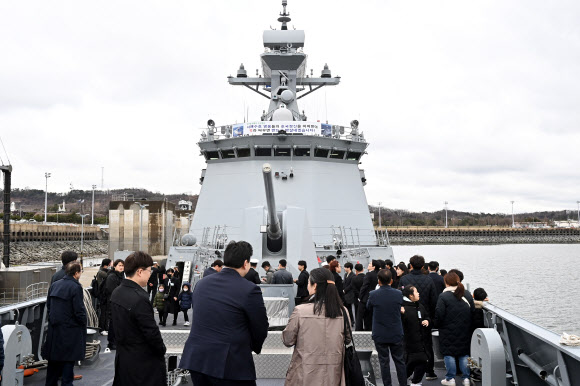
pixel 17 295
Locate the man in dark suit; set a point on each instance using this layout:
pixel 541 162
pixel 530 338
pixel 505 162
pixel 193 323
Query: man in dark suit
pixel 349 289
pixel 252 274
pixel 357 283
pixel 302 294
pixel 364 316
pixel 216 267
pixel 66 257
pixel 437 279
pixel 232 325
pixel 153 282
pixel 385 304
pixel 140 357
pixel 67 326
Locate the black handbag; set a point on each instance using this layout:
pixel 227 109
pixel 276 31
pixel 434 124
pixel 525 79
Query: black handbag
pixel 352 370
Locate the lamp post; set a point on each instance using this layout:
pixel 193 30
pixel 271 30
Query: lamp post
pixel 446 213
pixel 513 219
pixel 93 207
pixel 46 176
pixel 82 234
pixel 380 214
pixel 141 206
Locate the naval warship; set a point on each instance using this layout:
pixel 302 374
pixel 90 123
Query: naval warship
pixel 272 183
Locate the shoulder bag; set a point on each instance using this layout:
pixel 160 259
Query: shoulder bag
pixel 352 370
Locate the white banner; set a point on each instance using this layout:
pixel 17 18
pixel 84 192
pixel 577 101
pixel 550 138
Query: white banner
pixel 259 128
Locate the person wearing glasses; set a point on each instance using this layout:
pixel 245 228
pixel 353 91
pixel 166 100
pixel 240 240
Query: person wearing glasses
pixel 140 356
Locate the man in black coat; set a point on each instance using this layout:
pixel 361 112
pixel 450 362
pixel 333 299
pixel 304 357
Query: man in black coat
pixel 153 281
pixel 357 283
pixel 428 297
pixel 253 275
pixel 113 281
pixel 66 257
pixel 364 316
pixel 385 304
pixel 232 325
pixel 67 327
pixel 302 294
pixel 349 294
pixel 172 289
pixel 437 279
pixel 140 356
pixel 216 267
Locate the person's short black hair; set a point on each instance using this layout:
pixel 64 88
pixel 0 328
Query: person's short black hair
pixel 433 266
pixel 358 267
pixel 137 260
pixel 417 262
pixel 302 263
pixel 389 263
pixel 236 253
pixel 118 261
pixel 458 273
pixel 382 263
pixel 217 262
pixel 443 272
pixel 72 267
pixel 479 294
pixel 385 276
pixel 283 262
pixel 105 262
pixel 265 264
pixel 68 256
pixel 348 265
pixel 170 270
pixel 408 291
pixel 376 264
pixel 329 258
pixel 254 265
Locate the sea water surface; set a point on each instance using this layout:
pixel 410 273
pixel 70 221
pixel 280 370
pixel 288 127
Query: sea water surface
pixel 537 282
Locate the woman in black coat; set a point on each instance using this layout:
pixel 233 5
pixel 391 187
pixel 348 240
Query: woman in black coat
pixel 453 317
pixel 417 333
pixel 67 326
pixel 334 267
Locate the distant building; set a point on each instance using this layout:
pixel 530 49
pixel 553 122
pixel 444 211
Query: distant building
pixel 531 224
pixel 566 224
pixel 184 205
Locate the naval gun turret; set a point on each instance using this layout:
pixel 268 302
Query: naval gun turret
pixel 274 239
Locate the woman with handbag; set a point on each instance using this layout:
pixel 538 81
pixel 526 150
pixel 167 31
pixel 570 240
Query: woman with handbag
pixel 417 332
pixel 317 330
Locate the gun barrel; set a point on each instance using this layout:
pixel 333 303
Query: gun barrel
pixel 274 229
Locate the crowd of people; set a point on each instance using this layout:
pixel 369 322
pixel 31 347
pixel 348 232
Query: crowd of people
pixel 400 304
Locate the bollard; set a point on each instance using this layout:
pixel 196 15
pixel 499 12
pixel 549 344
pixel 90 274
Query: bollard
pixel 487 350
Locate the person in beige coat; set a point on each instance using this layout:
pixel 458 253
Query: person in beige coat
pixel 316 329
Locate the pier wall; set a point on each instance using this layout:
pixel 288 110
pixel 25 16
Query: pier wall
pixel 491 235
pixel 27 252
pixel 50 232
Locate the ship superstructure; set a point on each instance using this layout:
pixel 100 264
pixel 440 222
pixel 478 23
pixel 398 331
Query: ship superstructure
pixel 313 184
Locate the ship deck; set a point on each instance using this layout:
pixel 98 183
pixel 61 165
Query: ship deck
pixel 102 372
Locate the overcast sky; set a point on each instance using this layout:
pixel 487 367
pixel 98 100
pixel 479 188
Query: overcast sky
pixel 475 103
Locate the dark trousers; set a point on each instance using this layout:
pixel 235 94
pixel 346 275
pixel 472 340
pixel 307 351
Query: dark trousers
pixel 111 336
pixel 350 313
pixel 200 379
pixel 161 312
pixel 397 353
pixel 429 369
pixel 360 314
pixel 60 369
pixel 150 290
pixel 185 315
pixel 171 307
pixel 417 369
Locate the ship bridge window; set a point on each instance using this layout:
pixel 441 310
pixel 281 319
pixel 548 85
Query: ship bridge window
pixel 228 153
pixel 302 151
pixel 263 152
pixel 321 152
pixel 353 155
pixel 282 152
pixel 243 152
pixel 337 154
pixel 211 155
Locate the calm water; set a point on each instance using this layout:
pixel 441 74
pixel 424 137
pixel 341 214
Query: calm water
pixel 537 282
